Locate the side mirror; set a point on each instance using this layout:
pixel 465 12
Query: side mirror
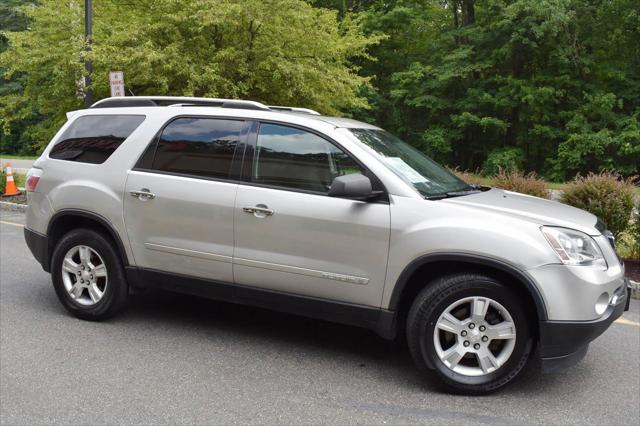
pixel 355 185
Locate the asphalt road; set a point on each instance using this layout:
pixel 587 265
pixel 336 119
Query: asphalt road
pixel 177 359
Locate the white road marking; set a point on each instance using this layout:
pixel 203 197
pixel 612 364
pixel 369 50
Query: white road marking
pixel 627 322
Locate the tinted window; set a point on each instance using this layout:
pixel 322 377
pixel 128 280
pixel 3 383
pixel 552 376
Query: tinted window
pixel 293 158
pixel 146 159
pixel 93 138
pixel 198 146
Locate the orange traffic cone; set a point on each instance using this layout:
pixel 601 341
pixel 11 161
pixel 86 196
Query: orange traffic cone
pixel 10 188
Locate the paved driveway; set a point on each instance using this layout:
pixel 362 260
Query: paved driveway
pixel 177 359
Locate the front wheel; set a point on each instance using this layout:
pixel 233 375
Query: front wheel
pixel 468 332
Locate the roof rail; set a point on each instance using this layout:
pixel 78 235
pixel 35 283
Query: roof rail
pixel 184 101
pixel 132 101
pixel 293 109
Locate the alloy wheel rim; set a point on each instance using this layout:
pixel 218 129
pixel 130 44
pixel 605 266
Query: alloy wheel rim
pixel 474 336
pixel 84 275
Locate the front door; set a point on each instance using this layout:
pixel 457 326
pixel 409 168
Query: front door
pixel 179 200
pixel 292 237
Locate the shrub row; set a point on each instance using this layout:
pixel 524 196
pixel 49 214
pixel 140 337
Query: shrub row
pixel 629 243
pixel 519 182
pixel 607 195
pixel 513 180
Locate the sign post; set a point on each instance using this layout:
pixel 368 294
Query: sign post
pixel 88 65
pixel 116 81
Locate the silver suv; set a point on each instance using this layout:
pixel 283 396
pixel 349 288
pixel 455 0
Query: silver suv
pixel 318 216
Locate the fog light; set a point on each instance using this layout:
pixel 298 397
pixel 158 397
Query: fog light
pixel 602 303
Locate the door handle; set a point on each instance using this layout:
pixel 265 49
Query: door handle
pixel 143 195
pixel 259 210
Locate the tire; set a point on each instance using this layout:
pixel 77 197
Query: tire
pixel 429 342
pixel 110 281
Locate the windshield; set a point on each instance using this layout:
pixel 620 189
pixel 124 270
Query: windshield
pixel 415 168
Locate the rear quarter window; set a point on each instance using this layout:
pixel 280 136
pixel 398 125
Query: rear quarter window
pixel 93 138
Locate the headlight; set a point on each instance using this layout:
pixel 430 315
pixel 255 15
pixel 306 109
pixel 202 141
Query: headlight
pixel 574 247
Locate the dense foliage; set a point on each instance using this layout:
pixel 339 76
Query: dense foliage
pixel 276 51
pixel 12 19
pixel 634 232
pixel 605 195
pixel 551 86
pixel 555 84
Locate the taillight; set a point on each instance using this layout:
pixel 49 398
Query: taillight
pixel 31 183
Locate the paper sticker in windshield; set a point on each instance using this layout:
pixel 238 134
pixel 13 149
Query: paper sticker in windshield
pixel 404 170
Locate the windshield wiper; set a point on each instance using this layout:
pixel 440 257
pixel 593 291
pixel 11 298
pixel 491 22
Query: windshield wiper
pixel 461 193
pixel 473 189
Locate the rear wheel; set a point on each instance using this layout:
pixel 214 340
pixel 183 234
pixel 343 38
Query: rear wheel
pixel 469 333
pixel 88 275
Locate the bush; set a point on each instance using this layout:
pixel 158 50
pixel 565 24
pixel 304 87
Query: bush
pixel 519 182
pixel 606 195
pixel 3 180
pixel 634 231
pixel 469 177
pixel 628 244
pixel 504 159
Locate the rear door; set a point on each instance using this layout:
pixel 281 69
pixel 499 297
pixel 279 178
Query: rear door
pixel 180 198
pixel 292 237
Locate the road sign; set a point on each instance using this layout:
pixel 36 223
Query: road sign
pixel 116 81
pixel 80 86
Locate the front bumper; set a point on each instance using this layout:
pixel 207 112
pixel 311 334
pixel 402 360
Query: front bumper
pixel 570 293
pixel 565 343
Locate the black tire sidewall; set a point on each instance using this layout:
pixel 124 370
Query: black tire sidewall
pixel 421 331
pixel 116 289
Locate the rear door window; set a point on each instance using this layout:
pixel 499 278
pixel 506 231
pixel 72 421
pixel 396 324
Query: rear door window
pixel 93 138
pixel 198 147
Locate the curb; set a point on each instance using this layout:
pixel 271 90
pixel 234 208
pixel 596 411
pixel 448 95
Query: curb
pixel 14 207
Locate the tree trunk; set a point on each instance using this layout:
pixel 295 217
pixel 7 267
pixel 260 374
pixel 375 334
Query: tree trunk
pixel 454 9
pixel 513 114
pixel 468 12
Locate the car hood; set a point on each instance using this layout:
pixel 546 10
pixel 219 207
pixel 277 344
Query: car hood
pixel 532 209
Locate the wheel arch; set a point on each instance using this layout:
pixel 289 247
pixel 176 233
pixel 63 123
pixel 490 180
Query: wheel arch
pixel 426 268
pixel 68 219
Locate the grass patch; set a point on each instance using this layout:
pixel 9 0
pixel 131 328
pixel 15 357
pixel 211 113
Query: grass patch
pixel 18 157
pixel 19 179
pixel 556 185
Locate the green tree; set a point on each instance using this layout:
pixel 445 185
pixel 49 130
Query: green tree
pixel 275 51
pixel 551 86
pixel 12 19
pixel 555 80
